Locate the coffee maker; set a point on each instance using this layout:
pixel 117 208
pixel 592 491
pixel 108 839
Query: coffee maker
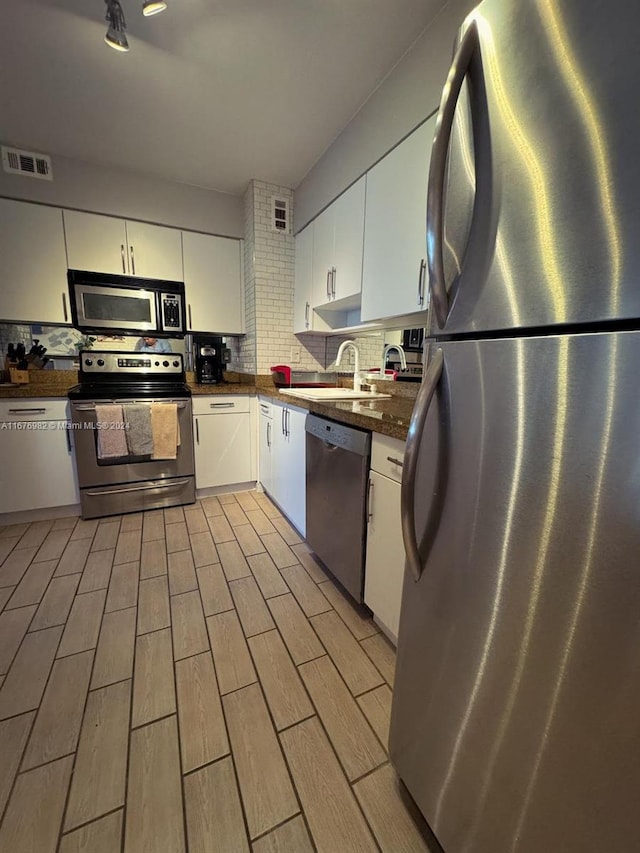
pixel 212 357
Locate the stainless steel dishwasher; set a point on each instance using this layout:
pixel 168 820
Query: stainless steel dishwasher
pixel 337 477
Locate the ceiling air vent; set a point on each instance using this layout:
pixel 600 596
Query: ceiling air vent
pixel 280 215
pixel 27 163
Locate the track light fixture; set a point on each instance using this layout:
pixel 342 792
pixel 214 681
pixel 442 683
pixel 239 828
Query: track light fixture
pixel 152 7
pixel 116 35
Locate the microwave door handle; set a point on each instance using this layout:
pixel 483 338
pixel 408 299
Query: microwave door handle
pixel 469 44
pixel 409 471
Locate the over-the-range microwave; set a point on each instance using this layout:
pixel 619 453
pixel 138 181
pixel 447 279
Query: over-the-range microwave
pixel 124 304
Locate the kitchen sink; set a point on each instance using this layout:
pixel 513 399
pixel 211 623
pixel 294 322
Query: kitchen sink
pixel 320 394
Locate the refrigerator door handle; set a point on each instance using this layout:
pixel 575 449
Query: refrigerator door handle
pixel 414 440
pixel 438 168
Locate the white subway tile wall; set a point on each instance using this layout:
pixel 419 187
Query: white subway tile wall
pixel 269 285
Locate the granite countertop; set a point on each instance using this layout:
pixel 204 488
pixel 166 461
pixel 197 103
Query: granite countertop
pixel 388 415
pixel 56 383
pixel 43 383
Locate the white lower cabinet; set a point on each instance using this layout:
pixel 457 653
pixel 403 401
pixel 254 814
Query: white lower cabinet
pixel 37 465
pixel 384 571
pixel 223 439
pixel 265 432
pixel 283 459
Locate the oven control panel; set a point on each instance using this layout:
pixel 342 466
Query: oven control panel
pixel 101 362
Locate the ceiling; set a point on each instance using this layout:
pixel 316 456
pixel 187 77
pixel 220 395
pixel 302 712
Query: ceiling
pixel 212 92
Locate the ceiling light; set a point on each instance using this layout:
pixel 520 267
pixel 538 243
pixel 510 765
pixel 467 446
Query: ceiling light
pixel 116 34
pixel 152 7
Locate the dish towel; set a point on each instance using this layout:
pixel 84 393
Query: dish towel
pixel 137 417
pixel 164 428
pixel 112 436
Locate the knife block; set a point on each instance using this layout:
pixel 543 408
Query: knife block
pixel 18 377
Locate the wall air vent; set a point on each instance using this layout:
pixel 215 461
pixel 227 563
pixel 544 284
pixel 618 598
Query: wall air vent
pixel 280 215
pixel 27 163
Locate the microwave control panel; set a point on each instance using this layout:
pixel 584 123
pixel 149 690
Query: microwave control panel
pixel 171 309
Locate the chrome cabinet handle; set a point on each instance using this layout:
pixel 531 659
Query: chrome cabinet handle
pixel 421 272
pixel 133 261
pixel 282 419
pixel 437 171
pixel 190 320
pixel 306 315
pixel 333 282
pixel 268 434
pixel 287 421
pixel 328 284
pixel 122 255
pixel 26 411
pixel 197 432
pixel 64 307
pixel 370 501
pixel 394 461
pixel 414 439
pixel 222 405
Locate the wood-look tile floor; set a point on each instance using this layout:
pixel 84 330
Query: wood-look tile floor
pixel 189 680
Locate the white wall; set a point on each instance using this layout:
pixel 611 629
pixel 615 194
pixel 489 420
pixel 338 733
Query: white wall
pixel 130 195
pixel 406 97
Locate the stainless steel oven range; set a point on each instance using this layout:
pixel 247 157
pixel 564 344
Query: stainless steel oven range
pixel 130 483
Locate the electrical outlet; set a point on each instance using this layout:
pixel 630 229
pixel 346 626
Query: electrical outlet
pixel 295 355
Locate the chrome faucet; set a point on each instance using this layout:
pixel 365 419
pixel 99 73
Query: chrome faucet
pixel 357 381
pixel 385 353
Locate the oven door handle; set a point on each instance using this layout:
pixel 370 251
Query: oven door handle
pixel 153 484
pixel 91 407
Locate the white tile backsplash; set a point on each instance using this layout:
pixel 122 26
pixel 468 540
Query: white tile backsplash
pixel 269 286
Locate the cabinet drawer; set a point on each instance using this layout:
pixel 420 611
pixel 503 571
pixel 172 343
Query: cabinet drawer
pixel 33 409
pixel 265 407
pixel 387 455
pixel 220 404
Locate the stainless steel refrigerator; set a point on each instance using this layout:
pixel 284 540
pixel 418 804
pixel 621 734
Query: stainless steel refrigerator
pixel 516 712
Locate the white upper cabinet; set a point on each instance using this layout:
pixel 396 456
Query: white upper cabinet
pixel 349 236
pixel 302 298
pixel 394 275
pixel 337 249
pixel 110 245
pixel 322 256
pixel 154 251
pixel 213 283
pixel 96 243
pixel 305 319
pixel 33 265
